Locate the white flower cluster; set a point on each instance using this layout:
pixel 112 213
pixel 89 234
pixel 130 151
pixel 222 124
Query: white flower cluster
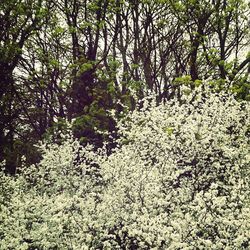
pixel 178 179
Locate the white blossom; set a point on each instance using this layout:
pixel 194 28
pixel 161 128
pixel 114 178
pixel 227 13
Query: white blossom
pixel 178 179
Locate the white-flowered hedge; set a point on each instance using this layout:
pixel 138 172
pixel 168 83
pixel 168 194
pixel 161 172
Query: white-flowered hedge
pixel 177 179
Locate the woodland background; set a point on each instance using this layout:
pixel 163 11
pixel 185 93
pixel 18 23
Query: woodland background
pixel 75 60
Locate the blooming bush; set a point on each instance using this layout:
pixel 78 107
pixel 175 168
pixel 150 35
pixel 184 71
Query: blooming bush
pixel 177 179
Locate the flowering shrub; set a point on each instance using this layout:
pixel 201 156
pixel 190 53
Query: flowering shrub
pixel 178 179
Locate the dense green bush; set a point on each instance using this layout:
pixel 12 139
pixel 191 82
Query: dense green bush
pixel 178 179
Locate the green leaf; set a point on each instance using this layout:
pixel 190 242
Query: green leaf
pixel 169 130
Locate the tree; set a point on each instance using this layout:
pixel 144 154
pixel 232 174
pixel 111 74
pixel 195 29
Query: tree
pixel 77 60
pixel 217 33
pixel 19 19
pixel 178 178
